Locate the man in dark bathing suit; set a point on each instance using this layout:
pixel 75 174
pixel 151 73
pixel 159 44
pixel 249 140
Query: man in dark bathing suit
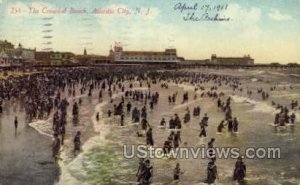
pixel 16 123
pixel 212 173
pixel 239 171
pixel 77 142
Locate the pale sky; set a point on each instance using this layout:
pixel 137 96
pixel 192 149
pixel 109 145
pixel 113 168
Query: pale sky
pixel 268 30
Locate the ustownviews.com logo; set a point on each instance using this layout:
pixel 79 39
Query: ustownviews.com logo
pixel 201 152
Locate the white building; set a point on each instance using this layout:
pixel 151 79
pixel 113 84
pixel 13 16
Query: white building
pixel 118 55
pixel 4 59
pixel 27 55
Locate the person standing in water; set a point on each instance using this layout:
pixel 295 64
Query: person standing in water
pixel 77 141
pixel 176 139
pixel 163 122
pixel 122 119
pixel 230 125
pixel 109 113
pixel 202 132
pixel 221 126
pixel 142 167
pixel 239 172
pixel 97 116
pixel 235 125
pixel 210 148
pixel 16 123
pixel 293 118
pixel 146 174
pixel 177 172
pixel 149 137
pixel 128 107
pixel 212 173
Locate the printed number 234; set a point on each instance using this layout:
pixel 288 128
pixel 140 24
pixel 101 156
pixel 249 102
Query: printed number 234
pixel 15 10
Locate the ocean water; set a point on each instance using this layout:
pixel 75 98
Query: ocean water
pixel 101 161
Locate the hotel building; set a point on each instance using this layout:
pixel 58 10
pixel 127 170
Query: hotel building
pixel 118 55
pixel 245 60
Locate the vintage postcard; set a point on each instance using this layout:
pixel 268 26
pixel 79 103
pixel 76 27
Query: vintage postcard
pixel 140 92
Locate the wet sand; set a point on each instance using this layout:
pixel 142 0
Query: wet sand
pixel 25 155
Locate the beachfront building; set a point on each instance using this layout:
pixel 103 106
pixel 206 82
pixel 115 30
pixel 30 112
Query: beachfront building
pixel 245 60
pixel 61 58
pixel 43 57
pixel 26 55
pixel 53 58
pixel 4 59
pixel 118 55
pixel 91 59
pixel 9 60
pixel 6 50
pixel 9 56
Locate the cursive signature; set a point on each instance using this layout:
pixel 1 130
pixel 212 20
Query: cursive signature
pixel 184 7
pixel 205 17
pixel 202 12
